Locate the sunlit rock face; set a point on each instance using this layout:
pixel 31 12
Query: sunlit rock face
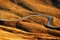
pixel 29 19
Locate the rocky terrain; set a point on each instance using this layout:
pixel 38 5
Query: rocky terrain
pixel 22 20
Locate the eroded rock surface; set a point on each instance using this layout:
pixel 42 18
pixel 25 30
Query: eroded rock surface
pixel 16 22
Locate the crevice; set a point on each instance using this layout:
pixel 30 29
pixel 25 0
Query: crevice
pixel 55 3
pixel 20 27
pixel 22 5
pixel 3 8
